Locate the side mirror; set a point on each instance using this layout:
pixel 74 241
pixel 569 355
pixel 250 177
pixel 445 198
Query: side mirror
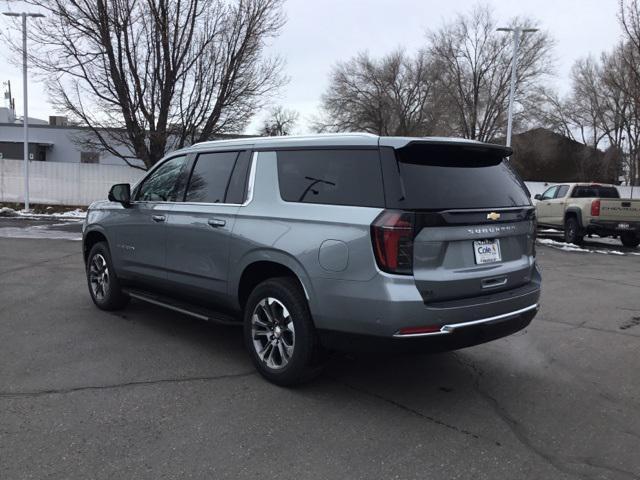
pixel 538 196
pixel 120 192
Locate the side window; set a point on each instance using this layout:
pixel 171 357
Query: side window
pixel 549 193
pixel 210 177
pixel 237 190
pixel 162 184
pixel 562 191
pixel 334 177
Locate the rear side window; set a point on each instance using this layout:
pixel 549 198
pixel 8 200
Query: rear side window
pixel 562 191
pixel 443 177
pixel 595 191
pixel 333 177
pixel 210 177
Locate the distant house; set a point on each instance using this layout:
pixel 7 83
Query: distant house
pixel 542 155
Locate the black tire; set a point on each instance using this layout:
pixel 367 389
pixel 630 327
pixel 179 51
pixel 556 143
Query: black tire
pixel 630 239
pixel 572 231
pixel 296 329
pixel 110 296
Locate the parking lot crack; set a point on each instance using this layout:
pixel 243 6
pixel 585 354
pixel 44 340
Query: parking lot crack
pixel 64 391
pixel 520 433
pixel 35 264
pixel 575 326
pixel 412 411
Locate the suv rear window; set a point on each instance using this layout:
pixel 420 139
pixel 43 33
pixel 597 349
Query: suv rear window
pixel 595 191
pixel 333 177
pixel 443 177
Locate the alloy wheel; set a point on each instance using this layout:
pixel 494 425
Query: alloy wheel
pixel 273 333
pixel 99 276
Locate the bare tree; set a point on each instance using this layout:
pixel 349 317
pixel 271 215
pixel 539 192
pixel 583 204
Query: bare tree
pixel 391 96
pixel 475 63
pixel 629 84
pixel 602 108
pixel 157 74
pixel 280 121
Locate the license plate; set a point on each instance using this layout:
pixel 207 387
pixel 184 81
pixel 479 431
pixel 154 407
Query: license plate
pixel 487 251
pixel 623 226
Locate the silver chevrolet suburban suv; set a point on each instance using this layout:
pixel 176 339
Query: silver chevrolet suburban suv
pixel 327 242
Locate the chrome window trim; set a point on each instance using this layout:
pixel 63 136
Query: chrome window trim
pixel 452 327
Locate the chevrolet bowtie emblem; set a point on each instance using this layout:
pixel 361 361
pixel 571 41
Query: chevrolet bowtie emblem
pixel 493 216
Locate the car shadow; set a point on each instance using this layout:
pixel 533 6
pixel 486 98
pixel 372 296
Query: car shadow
pixel 442 372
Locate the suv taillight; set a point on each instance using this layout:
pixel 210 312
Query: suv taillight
pixel 595 208
pixel 392 235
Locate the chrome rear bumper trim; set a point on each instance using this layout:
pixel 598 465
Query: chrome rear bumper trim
pixel 452 327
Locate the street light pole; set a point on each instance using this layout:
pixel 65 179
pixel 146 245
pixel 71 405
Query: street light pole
pixel 517 33
pixel 25 120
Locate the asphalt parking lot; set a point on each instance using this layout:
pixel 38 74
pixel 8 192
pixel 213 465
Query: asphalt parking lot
pixel 147 393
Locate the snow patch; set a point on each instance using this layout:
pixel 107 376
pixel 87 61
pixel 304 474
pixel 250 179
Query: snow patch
pixel 567 247
pixel 77 214
pixel 35 232
pixel 8 212
pixel 561 245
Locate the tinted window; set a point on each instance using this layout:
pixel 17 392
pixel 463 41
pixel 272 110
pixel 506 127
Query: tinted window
pixel 335 177
pixel 210 177
pixel 593 191
pixel 562 191
pixel 161 185
pixel 237 190
pixel 549 193
pixel 443 177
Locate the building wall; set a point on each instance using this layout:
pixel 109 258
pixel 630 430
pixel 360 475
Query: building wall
pixel 62 183
pixel 58 142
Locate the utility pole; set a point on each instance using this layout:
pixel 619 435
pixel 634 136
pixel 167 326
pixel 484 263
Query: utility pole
pixel 517 33
pixel 25 120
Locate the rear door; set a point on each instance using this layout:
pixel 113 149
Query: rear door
pixel 474 222
pixel 200 226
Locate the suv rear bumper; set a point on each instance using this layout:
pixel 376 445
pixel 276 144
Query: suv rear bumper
pixel 459 336
pixel 378 309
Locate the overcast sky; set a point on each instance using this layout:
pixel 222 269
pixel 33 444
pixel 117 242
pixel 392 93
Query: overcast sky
pixel 320 32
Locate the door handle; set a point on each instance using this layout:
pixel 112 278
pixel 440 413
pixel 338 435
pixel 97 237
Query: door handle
pixel 215 222
pixel 158 218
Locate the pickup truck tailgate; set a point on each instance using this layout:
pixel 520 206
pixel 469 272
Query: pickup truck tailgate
pixel 619 209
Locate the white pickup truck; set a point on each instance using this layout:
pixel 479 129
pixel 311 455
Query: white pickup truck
pixel 585 208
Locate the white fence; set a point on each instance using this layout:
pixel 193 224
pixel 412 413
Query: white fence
pixel 58 183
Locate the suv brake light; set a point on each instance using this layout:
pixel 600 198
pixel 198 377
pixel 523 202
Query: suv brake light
pixel 392 235
pixel 595 208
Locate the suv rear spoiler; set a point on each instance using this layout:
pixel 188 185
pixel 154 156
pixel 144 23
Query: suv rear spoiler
pixel 407 142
